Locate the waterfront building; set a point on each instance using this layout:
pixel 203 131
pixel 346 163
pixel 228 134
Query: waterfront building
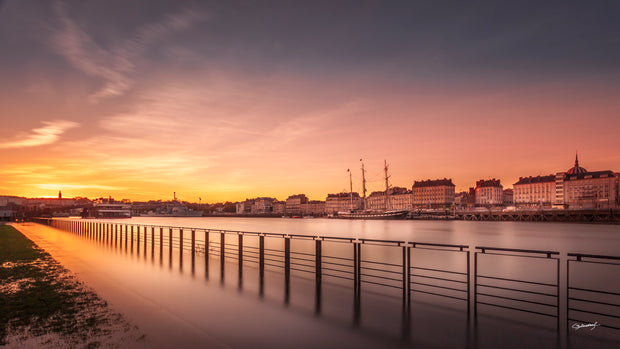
pixel 12 200
pixel 577 188
pixel 263 205
pixel 279 207
pixel 437 193
pixel 508 197
pixel 50 202
pixel 536 191
pixel 293 204
pixel 256 206
pixel 399 199
pixel 489 192
pixel 244 207
pixel 335 203
pixel 313 208
pixel 376 201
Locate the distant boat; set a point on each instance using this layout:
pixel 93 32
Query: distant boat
pixel 108 210
pixel 393 214
pixel 372 214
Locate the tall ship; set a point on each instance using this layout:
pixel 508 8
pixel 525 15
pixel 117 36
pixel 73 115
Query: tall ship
pixel 109 209
pixel 364 213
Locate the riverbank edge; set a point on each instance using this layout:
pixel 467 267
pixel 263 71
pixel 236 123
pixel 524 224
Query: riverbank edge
pixel 43 304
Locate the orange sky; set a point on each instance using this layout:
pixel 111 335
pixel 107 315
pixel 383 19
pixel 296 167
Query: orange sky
pixel 94 113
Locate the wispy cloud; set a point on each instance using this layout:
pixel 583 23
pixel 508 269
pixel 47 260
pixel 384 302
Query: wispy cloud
pixel 116 66
pixel 49 133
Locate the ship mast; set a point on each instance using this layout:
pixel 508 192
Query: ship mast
pixel 387 186
pixel 351 189
pixel 363 186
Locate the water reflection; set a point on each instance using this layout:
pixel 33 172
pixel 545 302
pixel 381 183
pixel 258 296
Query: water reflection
pixel 399 293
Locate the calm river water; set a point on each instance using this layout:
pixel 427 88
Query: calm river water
pixel 230 301
pixel 561 237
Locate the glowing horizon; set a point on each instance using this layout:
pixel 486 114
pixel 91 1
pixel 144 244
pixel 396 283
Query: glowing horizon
pixel 225 102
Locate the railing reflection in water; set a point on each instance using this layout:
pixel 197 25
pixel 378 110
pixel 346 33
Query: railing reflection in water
pixel 400 271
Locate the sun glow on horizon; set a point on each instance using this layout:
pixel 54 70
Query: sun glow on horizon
pixel 168 104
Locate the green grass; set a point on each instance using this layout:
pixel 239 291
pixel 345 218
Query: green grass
pixel 37 294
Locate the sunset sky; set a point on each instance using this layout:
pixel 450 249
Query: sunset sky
pixel 227 100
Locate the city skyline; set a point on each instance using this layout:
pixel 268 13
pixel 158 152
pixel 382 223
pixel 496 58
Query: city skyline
pixel 227 101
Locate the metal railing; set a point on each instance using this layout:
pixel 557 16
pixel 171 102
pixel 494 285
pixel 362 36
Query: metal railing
pixel 431 281
pixel 598 304
pixel 402 270
pixel 528 296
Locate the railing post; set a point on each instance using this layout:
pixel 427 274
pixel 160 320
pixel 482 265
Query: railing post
pixel 145 240
pixel 405 277
pixel 468 286
pixel 356 283
pixel 261 264
pixel 240 245
pixel 558 292
pixel 475 286
pixel 161 243
pixel 132 238
pixel 222 256
pixel 206 254
pixel 567 292
pixel 193 251
pixel 180 248
pixel 152 242
pixel 193 245
pixel 318 274
pixel 170 243
pixel 287 269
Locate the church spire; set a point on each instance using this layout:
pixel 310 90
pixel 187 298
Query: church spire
pixel 576 159
pixel 576 169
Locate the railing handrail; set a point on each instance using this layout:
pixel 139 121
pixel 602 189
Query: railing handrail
pixel 502 249
pixel 414 244
pixel 596 256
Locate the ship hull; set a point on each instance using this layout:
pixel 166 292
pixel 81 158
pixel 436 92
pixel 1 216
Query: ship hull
pixel 372 215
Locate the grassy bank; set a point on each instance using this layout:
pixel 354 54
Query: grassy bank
pixel 42 304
